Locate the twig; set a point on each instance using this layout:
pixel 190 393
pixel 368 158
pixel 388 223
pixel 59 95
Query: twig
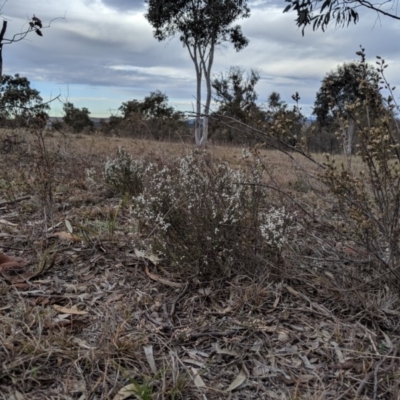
pixel 6 203
pixel 155 322
pixel 172 312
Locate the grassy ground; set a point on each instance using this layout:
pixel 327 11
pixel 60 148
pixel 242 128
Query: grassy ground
pixel 84 315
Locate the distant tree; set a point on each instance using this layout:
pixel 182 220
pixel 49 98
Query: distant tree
pixel 154 106
pixel 77 118
pixel 202 25
pixel 275 104
pixel 151 116
pixel 235 93
pixel 112 125
pixel 322 13
pixel 19 102
pixel 284 123
pixel 339 93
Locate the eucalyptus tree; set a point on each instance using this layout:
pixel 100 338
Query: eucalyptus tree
pixel 341 97
pixel 235 92
pixel 19 103
pixel 202 25
pixel 77 118
pixel 154 106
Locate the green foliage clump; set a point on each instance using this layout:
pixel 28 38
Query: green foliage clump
pixel 150 118
pixel 77 118
pixel 236 94
pixel 19 103
pixel 151 107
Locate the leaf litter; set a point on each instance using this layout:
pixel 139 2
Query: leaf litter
pixel 86 316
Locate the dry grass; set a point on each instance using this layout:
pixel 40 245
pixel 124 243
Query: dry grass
pixel 85 316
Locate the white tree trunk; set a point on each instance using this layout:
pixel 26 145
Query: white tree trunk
pixel 207 63
pixel 203 62
pixel 348 136
pixel 198 131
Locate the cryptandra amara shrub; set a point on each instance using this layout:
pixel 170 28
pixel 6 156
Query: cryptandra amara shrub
pixel 207 217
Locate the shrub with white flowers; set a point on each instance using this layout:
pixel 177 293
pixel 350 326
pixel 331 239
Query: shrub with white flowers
pixel 197 212
pixel 276 225
pixel 90 175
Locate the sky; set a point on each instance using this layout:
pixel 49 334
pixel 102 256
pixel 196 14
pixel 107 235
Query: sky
pixel 101 53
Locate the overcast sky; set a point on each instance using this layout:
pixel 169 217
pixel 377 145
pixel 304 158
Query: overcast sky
pixel 104 53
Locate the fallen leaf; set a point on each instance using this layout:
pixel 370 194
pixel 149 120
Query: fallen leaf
pixel 19 396
pixel 305 378
pixel 226 351
pixel 9 263
pixel 66 236
pixel 198 381
pixel 162 280
pixel 193 362
pixel 148 351
pixel 292 291
pixel 88 277
pixel 338 352
pixel 81 343
pixel 237 381
pixel 68 226
pixel 114 297
pixel 306 362
pixel 276 302
pixel 283 336
pixel 205 291
pixel 74 310
pixel 128 391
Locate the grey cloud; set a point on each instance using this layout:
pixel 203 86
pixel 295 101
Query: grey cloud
pixel 85 50
pixel 125 5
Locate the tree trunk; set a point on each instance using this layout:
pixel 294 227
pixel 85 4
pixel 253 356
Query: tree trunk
pixel 194 55
pixel 348 135
pixel 207 74
pixel 3 31
pixel 197 127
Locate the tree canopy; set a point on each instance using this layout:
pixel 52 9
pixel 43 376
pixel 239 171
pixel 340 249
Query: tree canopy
pixel 199 22
pixel 319 14
pixel 341 88
pixel 18 101
pixel 340 100
pixel 235 92
pixel 153 106
pixel 77 118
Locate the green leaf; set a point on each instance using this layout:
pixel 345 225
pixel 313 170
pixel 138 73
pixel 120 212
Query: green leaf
pixel 326 4
pixel 287 8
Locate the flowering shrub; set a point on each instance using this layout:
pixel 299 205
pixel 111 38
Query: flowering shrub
pixel 276 225
pixel 202 213
pixel 123 174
